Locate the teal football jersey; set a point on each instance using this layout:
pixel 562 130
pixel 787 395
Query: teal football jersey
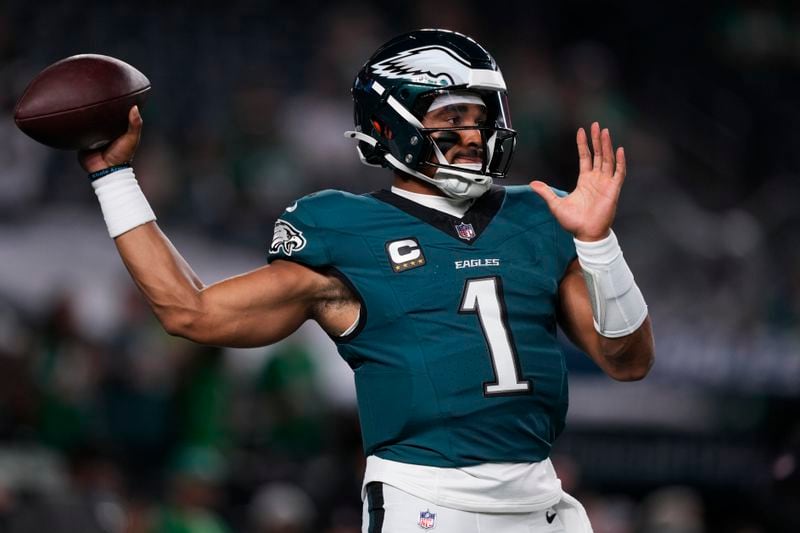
pixel 455 356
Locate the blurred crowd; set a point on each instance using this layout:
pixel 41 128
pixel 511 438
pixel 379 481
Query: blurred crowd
pixel 120 428
pixel 143 433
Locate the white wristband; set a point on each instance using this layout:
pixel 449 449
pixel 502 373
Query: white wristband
pixel 617 303
pixel 122 202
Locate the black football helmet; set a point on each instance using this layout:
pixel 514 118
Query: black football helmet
pixel 395 88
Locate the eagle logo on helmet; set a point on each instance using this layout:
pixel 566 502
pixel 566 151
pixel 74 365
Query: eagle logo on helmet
pixel 435 65
pixel 286 237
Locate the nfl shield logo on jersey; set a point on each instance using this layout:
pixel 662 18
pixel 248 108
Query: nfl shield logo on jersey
pixel 465 231
pixel 427 519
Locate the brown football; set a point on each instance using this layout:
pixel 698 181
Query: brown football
pixel 81 102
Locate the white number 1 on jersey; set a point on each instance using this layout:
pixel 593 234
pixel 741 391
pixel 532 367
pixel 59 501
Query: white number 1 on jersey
pixel 483 296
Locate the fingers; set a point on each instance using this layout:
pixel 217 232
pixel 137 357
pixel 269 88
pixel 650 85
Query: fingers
pixel 91 160
pixel 622 167
pixel 607 166
pixel 134 133
pixel 606 160
pixel 547 194
pixel 120 151
pixel 124 147
pixel 584 155
pixel 597 147
pixel 134 120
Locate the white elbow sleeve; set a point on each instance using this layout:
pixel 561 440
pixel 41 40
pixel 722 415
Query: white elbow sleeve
pixel 122 201
pixel 617 303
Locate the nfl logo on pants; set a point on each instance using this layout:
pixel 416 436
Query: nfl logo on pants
pixel 427 519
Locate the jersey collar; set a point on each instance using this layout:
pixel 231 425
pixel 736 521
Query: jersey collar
pixel 477 216
pixel 452 206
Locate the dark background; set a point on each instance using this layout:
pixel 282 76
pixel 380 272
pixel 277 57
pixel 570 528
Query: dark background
pixel 108 424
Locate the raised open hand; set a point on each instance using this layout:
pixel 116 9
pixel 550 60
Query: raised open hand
pixel 588 211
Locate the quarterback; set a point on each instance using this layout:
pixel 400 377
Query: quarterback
pixel 443 292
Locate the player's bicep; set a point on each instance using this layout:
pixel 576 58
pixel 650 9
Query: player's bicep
pixel 256 308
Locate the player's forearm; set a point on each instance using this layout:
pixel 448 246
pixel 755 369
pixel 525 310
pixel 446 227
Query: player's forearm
pixel 585 318
pixel 628 358
pixel 165 279
pixel 163 276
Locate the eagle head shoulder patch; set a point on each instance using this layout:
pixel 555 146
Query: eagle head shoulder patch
pixel 286 238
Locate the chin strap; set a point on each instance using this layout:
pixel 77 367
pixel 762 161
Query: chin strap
pixel 455 184
pixel 448 179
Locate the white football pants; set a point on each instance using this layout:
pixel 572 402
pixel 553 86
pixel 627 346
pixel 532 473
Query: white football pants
pixel 390 510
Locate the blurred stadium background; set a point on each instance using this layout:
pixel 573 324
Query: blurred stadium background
pixel 109 425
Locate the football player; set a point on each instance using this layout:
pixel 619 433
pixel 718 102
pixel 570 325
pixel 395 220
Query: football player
pixel 443 293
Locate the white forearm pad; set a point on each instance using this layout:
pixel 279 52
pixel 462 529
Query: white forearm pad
pixel 617 303
pixel 122 202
